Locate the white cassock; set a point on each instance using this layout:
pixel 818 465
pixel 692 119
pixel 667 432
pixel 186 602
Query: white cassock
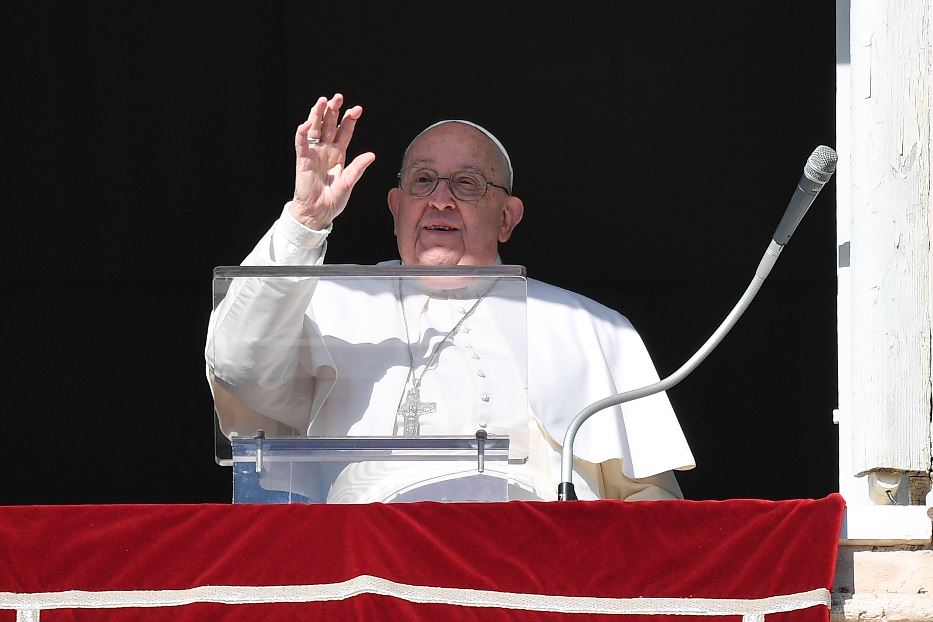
pixel 341 360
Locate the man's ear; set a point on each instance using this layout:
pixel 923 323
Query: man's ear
pixel 392 199
pixel 511 215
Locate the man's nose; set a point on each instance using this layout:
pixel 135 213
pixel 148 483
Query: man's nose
pixel 442 197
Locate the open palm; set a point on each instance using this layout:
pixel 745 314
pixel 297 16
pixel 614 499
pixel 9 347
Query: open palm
pixel 323 180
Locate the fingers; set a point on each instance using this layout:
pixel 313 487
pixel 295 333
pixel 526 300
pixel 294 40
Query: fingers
pixel 311 128
pixel 316 116
pixel 322 128
pixel 345 129
pixel 322 182
pixel 331 115
pixel 356 168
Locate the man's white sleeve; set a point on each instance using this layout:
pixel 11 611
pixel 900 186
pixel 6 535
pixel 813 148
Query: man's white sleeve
pixel 258 343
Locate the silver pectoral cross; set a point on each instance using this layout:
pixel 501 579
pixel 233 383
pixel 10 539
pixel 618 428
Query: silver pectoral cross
pixel 412 408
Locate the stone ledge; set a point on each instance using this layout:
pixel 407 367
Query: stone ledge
pixel 881 607
pixel 883 584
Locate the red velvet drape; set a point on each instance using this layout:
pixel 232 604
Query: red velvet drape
pixel 708 549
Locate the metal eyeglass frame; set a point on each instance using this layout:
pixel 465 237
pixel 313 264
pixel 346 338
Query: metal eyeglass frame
pixel 450 185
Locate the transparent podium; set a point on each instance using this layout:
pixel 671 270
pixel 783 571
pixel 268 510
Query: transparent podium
pixel 358 384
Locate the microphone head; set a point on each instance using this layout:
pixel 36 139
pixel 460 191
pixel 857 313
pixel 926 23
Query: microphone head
pixel 821 164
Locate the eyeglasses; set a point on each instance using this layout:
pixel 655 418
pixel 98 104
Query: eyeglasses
pixel 465 185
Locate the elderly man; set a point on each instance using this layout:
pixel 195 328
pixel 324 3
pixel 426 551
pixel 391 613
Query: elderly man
pixel 453 206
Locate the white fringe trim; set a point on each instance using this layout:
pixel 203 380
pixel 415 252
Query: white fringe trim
pixel 28 606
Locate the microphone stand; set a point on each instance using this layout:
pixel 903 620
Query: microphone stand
pixel 819 168
pixel 565 489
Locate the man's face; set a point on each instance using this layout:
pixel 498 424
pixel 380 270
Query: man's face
pixel 441 229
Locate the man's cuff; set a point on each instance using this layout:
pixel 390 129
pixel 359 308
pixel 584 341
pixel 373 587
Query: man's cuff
pixel 292 242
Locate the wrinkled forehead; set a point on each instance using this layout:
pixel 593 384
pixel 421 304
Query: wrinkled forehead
pixel 489 135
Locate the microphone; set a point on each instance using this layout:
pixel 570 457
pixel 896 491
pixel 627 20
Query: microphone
pixel 819 168
pixel 817 171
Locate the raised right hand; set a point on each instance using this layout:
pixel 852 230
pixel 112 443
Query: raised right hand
pixel 323 181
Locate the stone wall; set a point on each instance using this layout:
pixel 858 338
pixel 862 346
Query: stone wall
pixel 884 583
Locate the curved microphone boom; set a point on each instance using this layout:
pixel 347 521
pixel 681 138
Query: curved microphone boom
pixel 818 170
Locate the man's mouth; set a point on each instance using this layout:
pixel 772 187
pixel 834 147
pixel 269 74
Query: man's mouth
pixel 439 228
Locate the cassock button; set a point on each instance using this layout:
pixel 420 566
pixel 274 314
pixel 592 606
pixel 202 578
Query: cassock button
pixel 466 330
pixel 484 397
pixel 468 346
pixel 482 423
pixel 475 355
pixel 480 373
pixel 461 310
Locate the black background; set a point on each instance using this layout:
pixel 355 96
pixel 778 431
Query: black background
pixel 655 146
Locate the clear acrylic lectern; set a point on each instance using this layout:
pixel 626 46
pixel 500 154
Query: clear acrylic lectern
pixel 354 384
